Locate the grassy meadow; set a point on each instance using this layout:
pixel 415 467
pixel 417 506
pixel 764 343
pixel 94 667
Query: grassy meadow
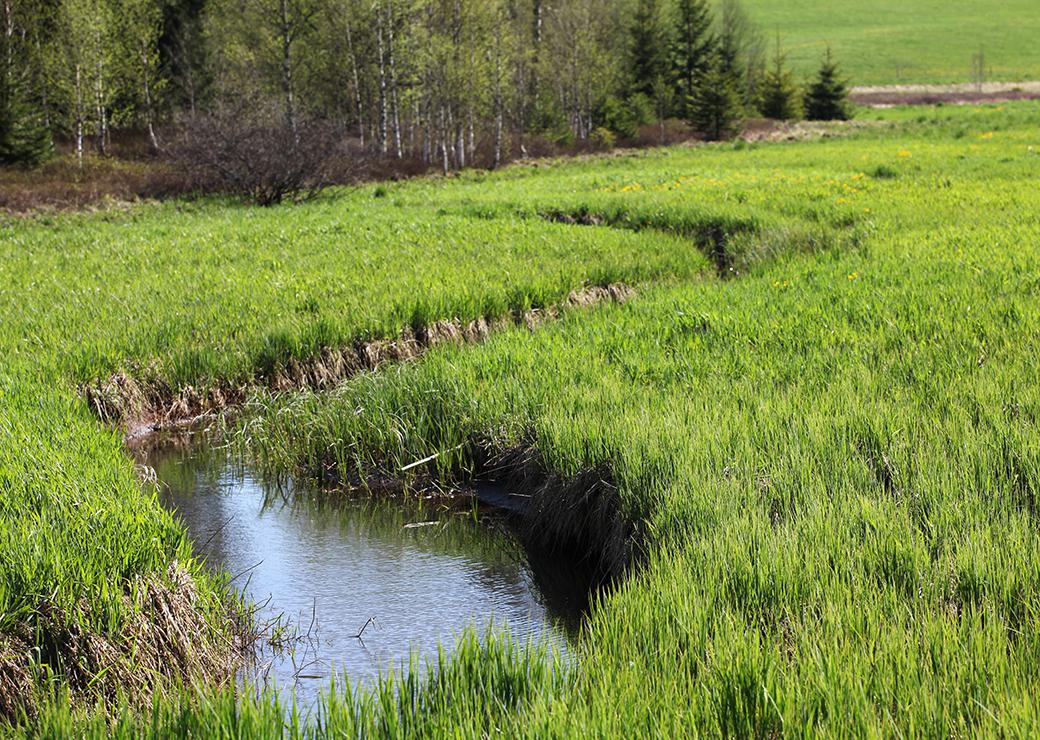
pixel 818 419
pixel 920 41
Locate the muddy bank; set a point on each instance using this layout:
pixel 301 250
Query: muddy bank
pixel 142 409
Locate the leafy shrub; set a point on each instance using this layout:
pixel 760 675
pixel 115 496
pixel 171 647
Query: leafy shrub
pixel 602 138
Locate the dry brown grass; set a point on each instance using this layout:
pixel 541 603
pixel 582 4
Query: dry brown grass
pixel 167 639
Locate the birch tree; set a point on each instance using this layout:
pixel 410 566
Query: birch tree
pixel 581 38
pixel 140 23
pixel 260 47
pixel 86 70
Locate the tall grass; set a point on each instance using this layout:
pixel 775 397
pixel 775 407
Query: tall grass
pixel 835 458
pixel 488 683
pixel 832 461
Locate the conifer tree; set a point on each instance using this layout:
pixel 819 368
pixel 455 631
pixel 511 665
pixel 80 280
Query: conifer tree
pixel 740 48
pixel 649 48
pixel 692 46
pixel 25 139
pixel 716 110
pixel 781 98
pixel 827 98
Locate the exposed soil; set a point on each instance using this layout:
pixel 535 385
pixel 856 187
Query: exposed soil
pixel 962 94
pixel 144 409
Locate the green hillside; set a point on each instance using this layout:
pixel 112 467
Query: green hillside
pixel 912 41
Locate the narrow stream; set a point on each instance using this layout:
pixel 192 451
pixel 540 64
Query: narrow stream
pixel 326 563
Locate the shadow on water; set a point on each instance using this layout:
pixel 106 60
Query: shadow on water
pixel 320 564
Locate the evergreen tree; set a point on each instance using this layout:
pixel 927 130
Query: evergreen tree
pixel 781 98
pixel 25 139
pixel 827 98
pixel 692 46
pixel 716 110
pixel 182 51
pixel 741 50
pixel 649 47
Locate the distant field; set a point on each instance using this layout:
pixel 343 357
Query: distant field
pixel 904 41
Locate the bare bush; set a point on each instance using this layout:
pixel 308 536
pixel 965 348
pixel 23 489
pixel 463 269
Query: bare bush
pixel 258 154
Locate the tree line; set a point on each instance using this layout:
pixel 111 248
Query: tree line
pixel 449 82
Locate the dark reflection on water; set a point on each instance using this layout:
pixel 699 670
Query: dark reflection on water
pixel 328 562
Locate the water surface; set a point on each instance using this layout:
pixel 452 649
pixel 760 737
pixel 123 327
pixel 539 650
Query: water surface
pixel 327 563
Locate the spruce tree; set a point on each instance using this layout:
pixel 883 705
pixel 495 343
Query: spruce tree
pixel 692 46
pixel 827 98
pixel 738 43
pixel 781 98
pixel 649 48
pixel 716 110
pixel 25 140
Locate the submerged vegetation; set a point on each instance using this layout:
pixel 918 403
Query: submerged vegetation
pixel 813 431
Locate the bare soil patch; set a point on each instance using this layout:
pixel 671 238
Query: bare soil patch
pixel 962 94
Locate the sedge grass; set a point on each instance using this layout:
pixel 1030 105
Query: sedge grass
pixel 832 459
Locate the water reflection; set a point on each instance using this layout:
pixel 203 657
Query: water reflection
pixel 328 563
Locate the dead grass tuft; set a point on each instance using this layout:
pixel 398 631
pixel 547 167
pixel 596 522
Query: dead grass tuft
pixel 168 638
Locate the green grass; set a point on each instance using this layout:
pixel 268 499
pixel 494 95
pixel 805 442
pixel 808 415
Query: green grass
pixel 919 41
pixel 186 296
pixel 832 456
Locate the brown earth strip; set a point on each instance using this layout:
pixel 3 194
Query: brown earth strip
pixel 143 409
pixel 963 94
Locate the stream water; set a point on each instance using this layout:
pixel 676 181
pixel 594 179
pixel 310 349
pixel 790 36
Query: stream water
pixel 326 563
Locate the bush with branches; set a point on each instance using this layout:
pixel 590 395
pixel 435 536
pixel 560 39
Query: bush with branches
pixel 262 156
